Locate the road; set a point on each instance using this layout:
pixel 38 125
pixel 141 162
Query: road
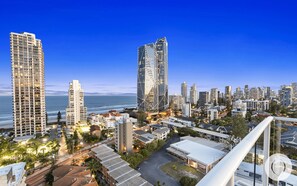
pixel 63 147
pixel 150 169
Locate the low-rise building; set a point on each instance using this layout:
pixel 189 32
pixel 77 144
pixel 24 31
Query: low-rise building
pixel 176 102
pixel 216 128
pixel 212 134
pixel 109 119
pixel 256 105
pixel 143 137
pixel 239 108
pixel 186 110
pixel 115 170
pixel 95 130
pixel 73 175
pixel 212 114
pixel 13 174
pixel 196 155
pixel 161 133
pixel 173 122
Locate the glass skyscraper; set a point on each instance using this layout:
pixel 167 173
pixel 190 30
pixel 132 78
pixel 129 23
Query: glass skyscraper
pixel 152 80
pixel 162 63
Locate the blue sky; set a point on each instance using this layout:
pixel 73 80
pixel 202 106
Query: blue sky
pixel 211 43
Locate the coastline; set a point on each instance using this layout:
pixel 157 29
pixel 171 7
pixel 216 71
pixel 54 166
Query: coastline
pixel 54 104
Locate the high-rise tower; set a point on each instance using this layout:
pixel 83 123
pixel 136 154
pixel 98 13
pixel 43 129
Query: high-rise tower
pixel 184 91
pixel 193 95
pixel 76 111
pixel 27 63
pixel 162 64
pixel 152 80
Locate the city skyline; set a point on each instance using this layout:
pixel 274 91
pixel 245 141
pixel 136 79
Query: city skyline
pixel 220 49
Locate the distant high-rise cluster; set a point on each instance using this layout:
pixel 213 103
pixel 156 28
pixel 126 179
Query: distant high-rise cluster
pixel 76 111
pixel 152 81
pixel 27 62
pixel 238 93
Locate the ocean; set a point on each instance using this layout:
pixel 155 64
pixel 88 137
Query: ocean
pixel 54 104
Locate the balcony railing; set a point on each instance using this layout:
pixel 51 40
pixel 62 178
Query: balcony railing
pixel 223 173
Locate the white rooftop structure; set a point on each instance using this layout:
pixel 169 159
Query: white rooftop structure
pixel 172 124
pixel 12 175
pixel 206 142
pixel 212 133
pixel 199 152
pixel 23 138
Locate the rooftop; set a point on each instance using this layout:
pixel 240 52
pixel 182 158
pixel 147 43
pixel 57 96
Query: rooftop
pixel 18 170
pixel 161 130
pixel 118 169
pixel 139 132
pixel 199 152
pixel 23 138
pixel 217 134
pixel 173 123
pixel 203 141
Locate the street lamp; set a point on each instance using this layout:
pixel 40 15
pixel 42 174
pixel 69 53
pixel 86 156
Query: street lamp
pixel 43 149
pixel 54 158
pixel 44 140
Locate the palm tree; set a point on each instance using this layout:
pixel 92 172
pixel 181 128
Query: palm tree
pixel 59 117
pixel 93 166
pixel 34 144
pixel 21 152
pixel 74 162
pixel 35 147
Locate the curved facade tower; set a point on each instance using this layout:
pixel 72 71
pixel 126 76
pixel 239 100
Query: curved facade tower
pixel 162 63
pixel 147 89
pixel 152 80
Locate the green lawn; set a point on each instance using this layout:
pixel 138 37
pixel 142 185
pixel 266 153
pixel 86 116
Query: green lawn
pixel 177 170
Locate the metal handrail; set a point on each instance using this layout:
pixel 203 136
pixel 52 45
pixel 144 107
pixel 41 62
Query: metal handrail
pixel 223 173
pixel 225 169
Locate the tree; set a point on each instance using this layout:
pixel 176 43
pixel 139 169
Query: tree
pixel 34 144
pixel 145 152
pixel 249 116
pixel 75 138
pixel 93 166
pixel 239 127
pixel 141 117
pixel 59 117
pixel 274 108
pixel 74 162
pixel 49 178
pixel 187 181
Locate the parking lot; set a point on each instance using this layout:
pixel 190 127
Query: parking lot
pixel 150 169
